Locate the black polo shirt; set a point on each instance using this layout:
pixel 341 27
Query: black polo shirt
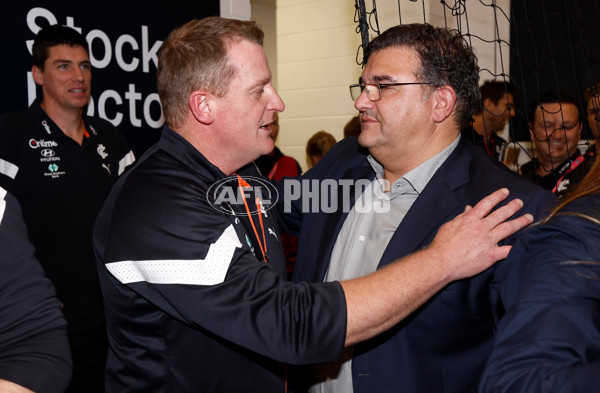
pixel 61 187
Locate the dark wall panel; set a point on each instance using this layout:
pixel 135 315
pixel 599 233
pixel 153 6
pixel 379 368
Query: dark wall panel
pixel 124 37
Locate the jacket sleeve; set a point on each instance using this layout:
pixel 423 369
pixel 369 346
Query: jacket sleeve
pixel 549 338
pixel 34 351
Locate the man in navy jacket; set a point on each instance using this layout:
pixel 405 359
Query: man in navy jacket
pixel 418 89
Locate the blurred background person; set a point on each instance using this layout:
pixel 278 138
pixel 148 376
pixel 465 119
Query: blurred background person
pixel 317 146
pixel 592 99
pixel 352 128
pixel 555 124
pixel 275 166
pixel 497 108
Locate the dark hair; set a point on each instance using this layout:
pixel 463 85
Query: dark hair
pixel 496 90
pixel 55 35
pixel 446 59
pixel 318 145
pixel 195 56
pixel 552 97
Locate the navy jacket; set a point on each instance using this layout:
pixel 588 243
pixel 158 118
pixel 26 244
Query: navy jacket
pixel 442 346
pixel 549 338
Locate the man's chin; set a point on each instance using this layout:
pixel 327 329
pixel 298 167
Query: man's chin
pixel 559 157
pixel 268 146
pixel 366 139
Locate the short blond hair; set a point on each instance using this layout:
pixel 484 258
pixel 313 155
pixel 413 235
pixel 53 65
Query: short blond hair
pixel 195 56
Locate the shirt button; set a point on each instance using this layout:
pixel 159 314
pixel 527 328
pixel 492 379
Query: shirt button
pixel 361 238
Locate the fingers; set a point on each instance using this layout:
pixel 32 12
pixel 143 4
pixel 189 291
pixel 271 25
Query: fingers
pixel 470 240
pixel 501 252
pixel 503 213
pixel 508 228
pixel 483 207
pixel 497 219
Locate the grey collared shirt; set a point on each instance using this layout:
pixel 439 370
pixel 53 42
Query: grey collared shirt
pixel 363 238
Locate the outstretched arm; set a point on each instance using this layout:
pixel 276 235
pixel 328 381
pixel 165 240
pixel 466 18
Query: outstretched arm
pixel 10 387
pixel 463 247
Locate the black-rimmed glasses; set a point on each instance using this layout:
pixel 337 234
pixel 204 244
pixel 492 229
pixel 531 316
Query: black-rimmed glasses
pixel 373 90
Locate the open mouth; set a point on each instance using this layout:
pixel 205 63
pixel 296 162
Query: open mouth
pixel 557 144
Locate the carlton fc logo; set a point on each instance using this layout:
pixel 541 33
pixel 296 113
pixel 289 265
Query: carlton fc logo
pixel 102 151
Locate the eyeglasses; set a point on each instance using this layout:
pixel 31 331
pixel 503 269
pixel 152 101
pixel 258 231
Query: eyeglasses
pixel 373 90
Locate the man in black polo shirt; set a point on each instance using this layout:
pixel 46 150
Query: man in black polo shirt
pixel 60 165
pixel 555 127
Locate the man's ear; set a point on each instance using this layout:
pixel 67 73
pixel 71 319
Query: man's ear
pixel 445 98
pixel 487 103
pixel 37 74
pixel 200 106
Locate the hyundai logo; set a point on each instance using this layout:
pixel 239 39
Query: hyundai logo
pixel 48 153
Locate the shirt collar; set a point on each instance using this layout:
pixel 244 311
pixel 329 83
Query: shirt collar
pixel 182 150
pixel 414 181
